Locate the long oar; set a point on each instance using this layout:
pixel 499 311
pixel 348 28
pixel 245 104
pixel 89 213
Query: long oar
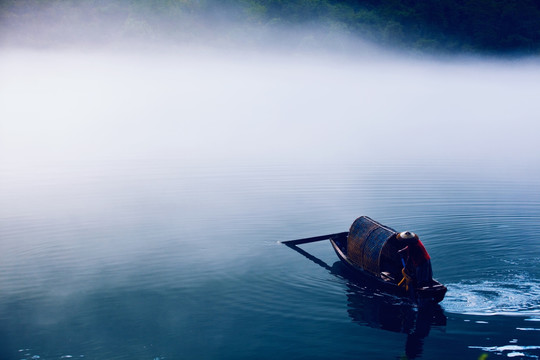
pixel 313 258
pixel 311 239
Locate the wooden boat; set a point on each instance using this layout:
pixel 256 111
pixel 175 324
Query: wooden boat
pixel 370 250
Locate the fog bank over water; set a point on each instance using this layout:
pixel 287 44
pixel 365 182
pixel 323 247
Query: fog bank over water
pixel 76 106
pixel 143 195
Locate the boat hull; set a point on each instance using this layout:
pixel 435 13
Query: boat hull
pixel 422 296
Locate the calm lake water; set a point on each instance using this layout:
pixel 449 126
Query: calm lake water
pixel 175 256
pixel 167 261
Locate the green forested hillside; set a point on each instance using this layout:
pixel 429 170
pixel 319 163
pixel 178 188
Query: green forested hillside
pixel 484 26
pixel 452 25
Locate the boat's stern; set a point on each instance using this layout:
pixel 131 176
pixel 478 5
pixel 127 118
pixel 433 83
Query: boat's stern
pixel 431 294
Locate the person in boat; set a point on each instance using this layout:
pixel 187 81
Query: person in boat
pixel 417 262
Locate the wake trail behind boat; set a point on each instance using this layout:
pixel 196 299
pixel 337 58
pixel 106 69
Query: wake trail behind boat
pixel 517 296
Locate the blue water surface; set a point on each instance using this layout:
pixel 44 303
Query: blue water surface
pixel 170 260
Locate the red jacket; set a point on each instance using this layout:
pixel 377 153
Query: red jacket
pixel 417 253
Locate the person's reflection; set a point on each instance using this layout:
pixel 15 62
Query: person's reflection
pixel 425 318
pixel 367 307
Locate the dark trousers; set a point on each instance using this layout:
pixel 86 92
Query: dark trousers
pixel 424 274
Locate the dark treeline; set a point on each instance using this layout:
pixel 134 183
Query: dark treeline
pixel 499 26
pixel 484 26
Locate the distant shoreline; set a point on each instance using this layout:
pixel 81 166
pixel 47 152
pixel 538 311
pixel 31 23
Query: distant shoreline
pixel 484 27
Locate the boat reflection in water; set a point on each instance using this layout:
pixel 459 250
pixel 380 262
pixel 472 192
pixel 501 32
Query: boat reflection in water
pixel 368 306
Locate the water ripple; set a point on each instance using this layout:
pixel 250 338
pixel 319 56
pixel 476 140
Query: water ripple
pixel 523 352
pixel 513 296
